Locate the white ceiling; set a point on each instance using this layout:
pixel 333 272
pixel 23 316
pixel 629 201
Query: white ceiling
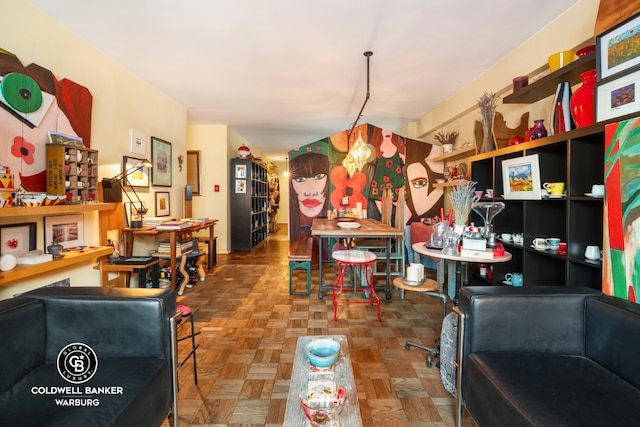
pixel 284 73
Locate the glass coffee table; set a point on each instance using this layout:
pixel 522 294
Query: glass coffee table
pixel 303 372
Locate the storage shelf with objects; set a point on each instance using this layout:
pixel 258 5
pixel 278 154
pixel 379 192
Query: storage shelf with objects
pixel 72 170
pixel 249 204
pixel 575 158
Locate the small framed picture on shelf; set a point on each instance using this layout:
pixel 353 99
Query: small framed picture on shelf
pixel 521 178
pixel 241 186
pixel 17 239
pixel 162 203
pixel 67 230
pixel 139 176
pixel 241 171
pixel 618 49
pixel 619 96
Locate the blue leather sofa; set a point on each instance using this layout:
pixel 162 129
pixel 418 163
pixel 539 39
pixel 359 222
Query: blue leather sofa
pixel 548 356
pixel 88 356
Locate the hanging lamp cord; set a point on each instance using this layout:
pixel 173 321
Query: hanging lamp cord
pixel 368 55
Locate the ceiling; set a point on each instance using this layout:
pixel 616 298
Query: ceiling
pixel 284 73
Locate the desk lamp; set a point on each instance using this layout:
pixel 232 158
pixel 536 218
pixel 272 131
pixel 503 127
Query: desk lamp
pixel 112 189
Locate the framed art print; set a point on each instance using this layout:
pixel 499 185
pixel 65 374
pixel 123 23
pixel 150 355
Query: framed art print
pixel 161 162
pixel 162 203
pixel 67 230
pixel 617 97
pixel 137 178
pixel 241 186
pixel 17 239
pixel 241 171
pixel 137 143
pixel 618 49
pixel 521 178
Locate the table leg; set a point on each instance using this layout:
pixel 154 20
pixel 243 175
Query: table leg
pixel 388 269
pixel 211 254
pixel 142 277
pixel 320 267
pixel 155 275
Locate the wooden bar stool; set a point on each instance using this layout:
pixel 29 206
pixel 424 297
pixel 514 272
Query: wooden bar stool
pixel 354 258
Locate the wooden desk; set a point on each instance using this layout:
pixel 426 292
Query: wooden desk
pixel 369 228
pixel 140 269
pixel 174 235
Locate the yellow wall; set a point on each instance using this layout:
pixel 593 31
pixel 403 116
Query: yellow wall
pixel 121 101
pixel 573 28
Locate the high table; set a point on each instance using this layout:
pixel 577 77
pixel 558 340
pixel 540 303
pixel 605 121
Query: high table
pixel 369 228
pixel 342 374
pixel 422 249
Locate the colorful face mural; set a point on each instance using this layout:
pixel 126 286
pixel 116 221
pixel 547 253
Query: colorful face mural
pixel 423 200
pixel 34 102
pixel 308 186
pixel 388 174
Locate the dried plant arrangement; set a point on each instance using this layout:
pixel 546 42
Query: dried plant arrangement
pixel 487 104
pixel 462 196
pixel 446 137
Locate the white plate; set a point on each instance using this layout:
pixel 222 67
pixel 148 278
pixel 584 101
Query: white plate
pixel 538 249
pixel 599 196
pixel 556 196
pixel 506 282
pixel 349 225
pixel 410 282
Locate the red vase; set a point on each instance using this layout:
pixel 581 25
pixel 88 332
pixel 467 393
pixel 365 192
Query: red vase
pixel 582 100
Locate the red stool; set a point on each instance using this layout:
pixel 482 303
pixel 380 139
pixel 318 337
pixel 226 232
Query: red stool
pixel 348 258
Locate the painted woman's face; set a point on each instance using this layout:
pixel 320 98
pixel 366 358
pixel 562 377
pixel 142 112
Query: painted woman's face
pixel 311 193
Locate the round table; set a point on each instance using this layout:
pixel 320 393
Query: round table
pixel 347 258
pixel 422 249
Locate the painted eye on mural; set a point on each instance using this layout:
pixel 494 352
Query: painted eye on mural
pixel 319 176
pixel 419 182
pixel 300 179
pixel 21 92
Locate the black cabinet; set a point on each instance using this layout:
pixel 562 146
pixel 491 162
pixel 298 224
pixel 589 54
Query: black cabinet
pixel 249 204
pixel 575 158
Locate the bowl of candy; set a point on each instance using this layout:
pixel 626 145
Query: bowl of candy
pixel 322 402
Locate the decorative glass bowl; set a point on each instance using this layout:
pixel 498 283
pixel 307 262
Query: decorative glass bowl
pixel 322 352
pixel 322 404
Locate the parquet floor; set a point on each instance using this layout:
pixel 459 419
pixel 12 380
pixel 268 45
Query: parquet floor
pixel 249 327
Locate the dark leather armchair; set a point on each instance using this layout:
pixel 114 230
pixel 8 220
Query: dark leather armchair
pixel 88 356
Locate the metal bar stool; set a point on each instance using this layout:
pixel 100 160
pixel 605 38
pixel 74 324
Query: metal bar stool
pixel 346 258
pixel 186 313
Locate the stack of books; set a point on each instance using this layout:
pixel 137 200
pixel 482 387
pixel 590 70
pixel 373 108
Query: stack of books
pixel 173 225
pixel 150 221
pixel 182 247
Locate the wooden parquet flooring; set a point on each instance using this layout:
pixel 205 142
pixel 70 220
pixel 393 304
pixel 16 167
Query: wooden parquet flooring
pixel 249 327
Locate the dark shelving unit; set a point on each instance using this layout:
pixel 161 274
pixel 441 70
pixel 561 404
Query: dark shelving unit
pixel 249 204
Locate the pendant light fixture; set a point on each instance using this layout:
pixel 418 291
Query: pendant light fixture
pixel 360 152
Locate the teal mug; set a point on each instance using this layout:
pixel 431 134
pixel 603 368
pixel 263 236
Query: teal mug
pixel 514 278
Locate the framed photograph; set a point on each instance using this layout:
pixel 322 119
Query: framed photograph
pixel 521 178
pixel 162 203
pixel 241 171
pixel 61 138
pixel 138 178
pixel 131 212
pixel 161 162
pixel 618 49
pixel 241 186
pixel 193 171
pixel 615 98
pixel 67 230
pixel 17 239
pixel 137 142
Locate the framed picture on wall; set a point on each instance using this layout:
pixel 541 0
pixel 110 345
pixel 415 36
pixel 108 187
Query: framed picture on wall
pixel 137 178
pixel 162 203
pixel 618 49
pixel 521 178
pixel 161 162
pixel 618 97
pixel 17 239
pixel 67 230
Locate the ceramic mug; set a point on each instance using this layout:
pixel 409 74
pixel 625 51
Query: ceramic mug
pixel 597 190
pixel 592 252
pixel 554 188
pixel 540 243
pixel 514 278
pixel 506 237
pixel 553 242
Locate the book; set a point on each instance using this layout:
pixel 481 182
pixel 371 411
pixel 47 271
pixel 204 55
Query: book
pixel 173 225
pixel 473 253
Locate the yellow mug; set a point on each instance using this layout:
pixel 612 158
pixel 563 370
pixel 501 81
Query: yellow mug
pixel 554 188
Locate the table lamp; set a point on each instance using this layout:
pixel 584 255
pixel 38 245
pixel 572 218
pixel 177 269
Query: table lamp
pixel 112 189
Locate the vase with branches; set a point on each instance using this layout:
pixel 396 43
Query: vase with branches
pixel 447 139
pixel 487 104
